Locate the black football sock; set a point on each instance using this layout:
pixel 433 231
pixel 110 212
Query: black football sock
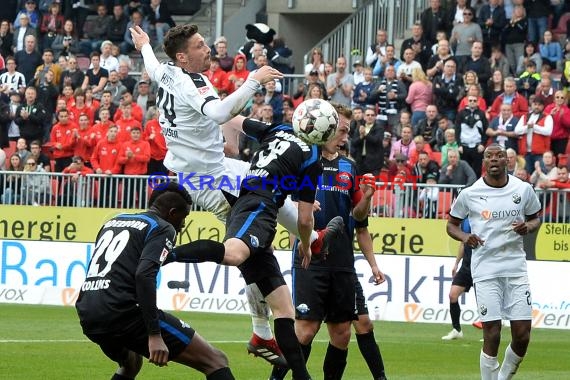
pixel 289 345
pixel 335 363
pixel 371 353
pixel 221 374
pixel 116 376
pixel 306 348
pixel 198 251
pixel 278 373
pixel 455 313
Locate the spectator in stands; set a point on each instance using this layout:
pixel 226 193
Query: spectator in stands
pixel 41 159
pixel 455 13
pixel 404 72
pixel 107 60
pixel 404 119
pixel 492 20
pixel 66 43
pixel 419 45
pixel 47 95
pixel 450 144
pixel 153 135
pixel 257 50
pixel 30 117
pixel 528 80
pixel 238 72
pixel 421 145
pixel 13 130
pixel 317 63
pixel 433 19
pixel 275 100
pixel 51 25
pixel 97 32
pixel 363 89
pixel 534 130
pixel 136 110
pixel 429 197
pixel 74 191
pixel 95 77
pixel 477 63
pixel 340 83
pixel 221 52
pixel 509 96
pixel 550 51
pixel 494 87
pixel 427 126
pixel 161 21
pixel 377 50
pixel 420 94
pixel 436 63
pixel 6 39
pixel 530 54
pixel 12 80
pixel 447 89
pixel 35 188
pixel 127 80
pixel 78 107
pixel 388 59
pixel 356 121
pixel 470 134
pixel 514 36
pixel 464 34
pixel 388 95
pixel 126 121
pixel 358 72
pixel 21 32
pixel 105 154
pixel 501 129
pixel 425 166
pixel 5 122
pixel 545 169
pixel 456 172
pixel 545 90
pixel 559 200
pixel 515 162
pixel 217 76
pixel 560 113
pixel 134 153
pixel 137 19
pixel 498 61
pixel 32 13
pixel 537 13
pixel 438 139
pixel 62 140
pixel 405 145
pixel 48 64
pixel 85 139
pixel 22 149
pixel 72 76
pixel 12 184
pixel 366 145
pixel 117 25
pixel 115 87
pixel 473 90
pixel 144 98
pixel 107 104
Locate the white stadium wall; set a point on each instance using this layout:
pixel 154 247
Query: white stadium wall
pixel 51 273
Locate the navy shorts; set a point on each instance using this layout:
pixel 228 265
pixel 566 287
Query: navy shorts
pixel 463 278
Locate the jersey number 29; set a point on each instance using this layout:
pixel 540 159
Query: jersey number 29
pixel 165 101
pixel 111 247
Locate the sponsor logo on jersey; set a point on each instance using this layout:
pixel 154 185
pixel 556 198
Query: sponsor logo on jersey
pixel 163 255
pixel 516 198
pixel 500 214
pixel 203 90
pixel 254 241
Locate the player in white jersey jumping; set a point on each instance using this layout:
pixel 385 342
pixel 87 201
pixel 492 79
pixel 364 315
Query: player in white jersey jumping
pixel 191 113
pixel 501 209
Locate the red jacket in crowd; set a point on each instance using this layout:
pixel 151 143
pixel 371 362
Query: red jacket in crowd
pixel 105 156
pixel 125 126
pixel 137 163
pixel 137 113
pixel 85 141
pixel 153 134
pixel 61 140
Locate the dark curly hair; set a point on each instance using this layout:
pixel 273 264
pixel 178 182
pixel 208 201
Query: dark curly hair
pixel 176 39
pixel 172 195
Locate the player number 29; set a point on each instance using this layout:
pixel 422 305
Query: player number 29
pixel 111 247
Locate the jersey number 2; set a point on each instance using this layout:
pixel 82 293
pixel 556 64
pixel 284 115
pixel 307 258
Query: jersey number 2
pixel 165 100
pixel 111 246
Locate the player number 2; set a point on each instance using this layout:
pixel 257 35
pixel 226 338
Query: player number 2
pixel 165 100
pixel 111 247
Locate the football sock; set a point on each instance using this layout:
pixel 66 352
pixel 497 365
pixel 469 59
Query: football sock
pixel 289 345
pixel 371 353
pixel 455 313
pixel 489 367
pixel 278 373
pixel 335 363
pixel 288 216
pixel 510 364
pixel 259 311
pixel 221 374
pixel 306 348
pixel 198 251
pixel 116 376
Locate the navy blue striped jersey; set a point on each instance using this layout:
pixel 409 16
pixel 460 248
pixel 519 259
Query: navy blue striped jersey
pixel 121 278
pixel 338 193
pixel 282 165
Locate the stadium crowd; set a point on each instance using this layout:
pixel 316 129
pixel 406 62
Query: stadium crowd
pixel 472 73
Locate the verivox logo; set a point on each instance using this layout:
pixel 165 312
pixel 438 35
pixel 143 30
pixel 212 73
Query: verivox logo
pixel 180 301
pixel 69 296
pixel 411 312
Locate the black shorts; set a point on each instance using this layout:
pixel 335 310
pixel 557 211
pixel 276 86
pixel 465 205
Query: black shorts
pixel 133 336
pixel 361 306
pixel 253 220
pixel 327 296
pixel 463 278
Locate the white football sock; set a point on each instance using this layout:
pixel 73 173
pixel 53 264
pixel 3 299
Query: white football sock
pixel 259 311
pixel 287 217
pixel 510 364
pixel 489 367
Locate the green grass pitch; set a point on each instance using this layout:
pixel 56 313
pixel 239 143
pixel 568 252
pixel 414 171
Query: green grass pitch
pixel 45 342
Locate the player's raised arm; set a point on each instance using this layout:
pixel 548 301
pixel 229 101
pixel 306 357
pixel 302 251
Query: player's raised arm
pixel 142 44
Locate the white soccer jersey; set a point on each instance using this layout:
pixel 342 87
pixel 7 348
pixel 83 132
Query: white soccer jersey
pixel 492 212
pixel 14 81
pixel 194 141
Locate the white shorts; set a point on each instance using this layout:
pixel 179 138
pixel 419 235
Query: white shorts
pixel 505 298
pixel 209 195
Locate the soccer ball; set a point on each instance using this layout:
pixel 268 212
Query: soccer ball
pixel 315 121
